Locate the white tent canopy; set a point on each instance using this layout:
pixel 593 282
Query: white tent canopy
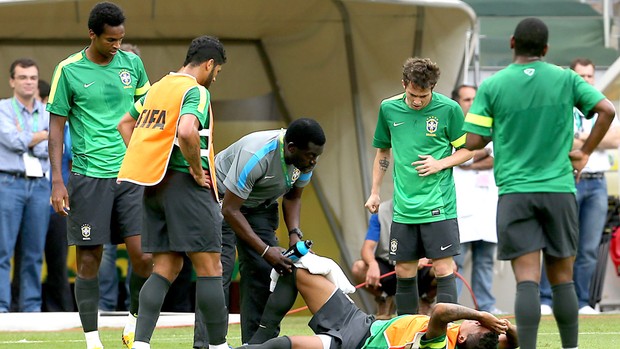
pixel 330 60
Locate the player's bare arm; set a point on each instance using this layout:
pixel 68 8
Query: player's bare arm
pixel 475 141
pixel 231 210
pixel 606 113
pixel 373 273
pixel 291 210
pixel 189 143
pixel 125 127
pixel 509 340
pixel 429 165
pixel 60 196
pixel 444 313
pixel 380 166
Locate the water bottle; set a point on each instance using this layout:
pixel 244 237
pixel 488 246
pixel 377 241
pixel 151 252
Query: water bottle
pixel 298 250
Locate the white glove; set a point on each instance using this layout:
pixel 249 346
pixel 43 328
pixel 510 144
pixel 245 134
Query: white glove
pixel 325 266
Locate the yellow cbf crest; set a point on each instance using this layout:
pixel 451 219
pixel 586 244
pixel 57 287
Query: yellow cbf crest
pixel 431 125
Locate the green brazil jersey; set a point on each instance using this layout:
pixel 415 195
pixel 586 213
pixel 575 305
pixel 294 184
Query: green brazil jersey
pixel 94 98
pixel 196 102
pixel 527 109
pixel 435 130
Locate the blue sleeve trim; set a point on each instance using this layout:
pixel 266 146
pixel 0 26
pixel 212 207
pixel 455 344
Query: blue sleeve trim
pixel 254 160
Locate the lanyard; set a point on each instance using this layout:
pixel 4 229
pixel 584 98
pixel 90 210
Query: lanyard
pixel 284 167
pixel 20 125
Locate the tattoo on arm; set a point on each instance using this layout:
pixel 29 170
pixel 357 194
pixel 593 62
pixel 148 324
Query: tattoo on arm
pixel 384 164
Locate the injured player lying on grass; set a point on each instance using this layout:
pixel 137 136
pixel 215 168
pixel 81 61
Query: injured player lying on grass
pixel 339 324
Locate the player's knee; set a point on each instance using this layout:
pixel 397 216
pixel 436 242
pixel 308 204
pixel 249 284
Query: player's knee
pixel 358 269
pixel 143 264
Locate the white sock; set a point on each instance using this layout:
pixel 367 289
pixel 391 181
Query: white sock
pixel 130 325
pixel 219 346
pixel 93 340
pixel 141 345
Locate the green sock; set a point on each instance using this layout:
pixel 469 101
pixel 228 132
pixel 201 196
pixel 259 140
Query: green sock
pixel 446 289
pixel 527 313
pixel 407 295
pixel 210 297
pixel 278 304
pixel 566 312
pixel 87 299
pixel 151 298
pixel 135 285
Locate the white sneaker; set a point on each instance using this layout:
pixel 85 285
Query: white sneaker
pixel 545 309
pixel 588 310
pixel 496 311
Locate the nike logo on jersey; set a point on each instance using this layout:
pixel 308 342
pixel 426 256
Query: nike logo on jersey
pixel 269 177
pixel 443 248
pixel 396 124
pixel 88 85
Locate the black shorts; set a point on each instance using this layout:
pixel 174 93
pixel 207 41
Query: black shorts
pixel 342 320
pixel 102 211
pixel 528 222
pixel 181 216
pixel 435 240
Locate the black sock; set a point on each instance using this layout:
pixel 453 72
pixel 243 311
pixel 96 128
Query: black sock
pixel 275 343
pixel 210 296
pixel 446 289
pixel 135 285
pixel 406 296
pixel 527 313
pixel 151 299
pixel 278 304
pixel 87 299
pixel 566 312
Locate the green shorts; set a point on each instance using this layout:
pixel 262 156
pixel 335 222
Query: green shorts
pixel 527 222
pixel 102 211
pixel 181 216
pixel 410 242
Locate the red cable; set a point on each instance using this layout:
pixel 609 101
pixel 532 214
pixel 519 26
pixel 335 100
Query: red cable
pixel 473 297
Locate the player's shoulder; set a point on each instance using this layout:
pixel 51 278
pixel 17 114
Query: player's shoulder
pixel 130 57
pixel 444 100
pixel 72 60
pixel 393 99
pixel 260 143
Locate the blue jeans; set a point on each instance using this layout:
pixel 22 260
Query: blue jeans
pixel 592 204
pixel 24 210
pixel 483 258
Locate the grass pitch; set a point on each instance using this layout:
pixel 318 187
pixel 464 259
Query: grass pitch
pixel 595 332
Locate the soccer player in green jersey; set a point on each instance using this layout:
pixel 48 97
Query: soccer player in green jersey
pixel 527 110
pixel 93 89
pixel 422 128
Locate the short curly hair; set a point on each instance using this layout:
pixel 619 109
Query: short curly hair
pixel 421 72
pixel 105 13
pixel 204 48
pixel 488 340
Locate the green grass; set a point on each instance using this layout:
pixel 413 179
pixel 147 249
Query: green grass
pixel 596 332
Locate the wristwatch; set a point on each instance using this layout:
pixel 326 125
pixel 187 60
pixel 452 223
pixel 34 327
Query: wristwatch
pixel 296 231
